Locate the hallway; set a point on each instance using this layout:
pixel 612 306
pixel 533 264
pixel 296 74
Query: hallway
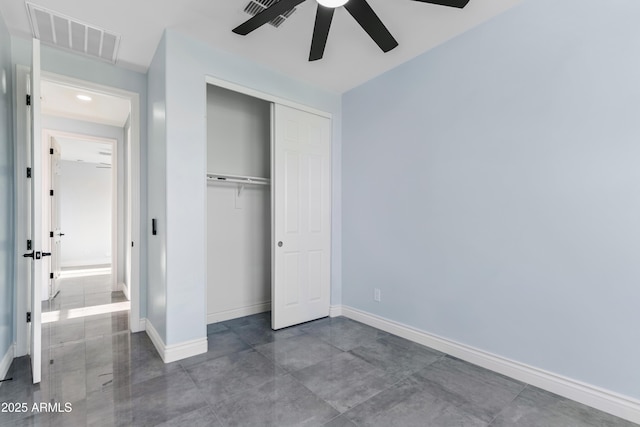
pixel 79 325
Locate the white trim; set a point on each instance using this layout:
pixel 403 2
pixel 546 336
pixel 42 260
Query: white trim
pixel 134 226
pixel 125 290
pixel 117 246
pixel 238 312
pixel 264 95
pixel 141 326
pixel 335 311
pixel 154 336
pixel 5 363
pixel 596 397
pixel 186 349
pixel 175 352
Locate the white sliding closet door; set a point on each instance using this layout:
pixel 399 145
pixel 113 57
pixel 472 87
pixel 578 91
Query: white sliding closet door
pixel 301 196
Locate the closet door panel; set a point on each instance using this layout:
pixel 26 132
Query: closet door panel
pixel 292 192
pixel 291 279
pixel 301 212
pixel 315 277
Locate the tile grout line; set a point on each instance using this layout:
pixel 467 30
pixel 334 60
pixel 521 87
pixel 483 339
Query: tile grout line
pixel 392 385
pixel 290 373
pixel 507 405
pixel 206 401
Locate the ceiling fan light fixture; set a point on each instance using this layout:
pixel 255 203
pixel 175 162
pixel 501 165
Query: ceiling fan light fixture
pixel 332 3
pixel 360 10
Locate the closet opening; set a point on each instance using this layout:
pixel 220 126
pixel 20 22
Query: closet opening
pixel 238 204
pixel 268 207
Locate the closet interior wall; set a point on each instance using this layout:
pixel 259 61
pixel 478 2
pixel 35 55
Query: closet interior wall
pixel 238 216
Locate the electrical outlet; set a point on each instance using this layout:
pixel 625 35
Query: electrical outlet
pixel 377 295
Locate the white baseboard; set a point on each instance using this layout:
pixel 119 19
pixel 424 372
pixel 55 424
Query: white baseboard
pixel 238 312
pixel 142 326
pixel 175 352
pixel 5 363
pixel 596 397
pixel 335 311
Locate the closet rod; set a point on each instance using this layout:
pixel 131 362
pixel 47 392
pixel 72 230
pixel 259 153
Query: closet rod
pixel 237 179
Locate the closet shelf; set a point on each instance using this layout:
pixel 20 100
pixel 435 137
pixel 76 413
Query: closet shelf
pixel 241 180
pixel 237 179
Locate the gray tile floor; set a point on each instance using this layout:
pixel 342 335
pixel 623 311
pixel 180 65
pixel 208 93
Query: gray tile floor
pixel 331 372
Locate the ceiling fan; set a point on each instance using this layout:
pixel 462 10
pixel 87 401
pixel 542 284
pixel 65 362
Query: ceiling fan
pixel 359 9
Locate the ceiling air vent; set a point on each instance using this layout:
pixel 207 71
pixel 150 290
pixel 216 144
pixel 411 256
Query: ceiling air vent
pixel 58 30
pixel 256 6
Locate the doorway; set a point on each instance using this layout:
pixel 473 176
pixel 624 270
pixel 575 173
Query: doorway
pixel 82 138
pixel 268 207
pixel 121 261
pixel 83 205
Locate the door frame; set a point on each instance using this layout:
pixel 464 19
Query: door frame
pixel 264 96
pixel 286 102
pixel 20 294
pixel 116 246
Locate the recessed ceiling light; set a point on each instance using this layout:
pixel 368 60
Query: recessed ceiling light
pixel 85 98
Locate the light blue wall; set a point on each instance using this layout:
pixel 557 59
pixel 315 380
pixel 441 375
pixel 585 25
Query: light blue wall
pixel 6 193
pixel 188 63
pixel 157 192
pixel 491 190
pixel 68 64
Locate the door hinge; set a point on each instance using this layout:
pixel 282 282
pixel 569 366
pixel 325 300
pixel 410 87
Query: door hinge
pixel 51 192
pixel 28 317
pixel 132 244
pixel 50 275
pixel 28 172
pixel 29 245
pixel 28 99
pixel 51 234
pixel 50 150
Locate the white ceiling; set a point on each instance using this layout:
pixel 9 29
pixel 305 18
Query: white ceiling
pixel 61 101
pixel 350 58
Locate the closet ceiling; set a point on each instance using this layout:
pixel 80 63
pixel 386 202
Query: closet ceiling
pixel 350 58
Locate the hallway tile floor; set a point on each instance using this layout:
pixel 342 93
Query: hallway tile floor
pixel 330 372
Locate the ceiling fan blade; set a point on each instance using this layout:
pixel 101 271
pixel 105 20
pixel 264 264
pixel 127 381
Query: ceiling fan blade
pixel 369 21
pixel 324 16
pixel 265 16
pixel 450 3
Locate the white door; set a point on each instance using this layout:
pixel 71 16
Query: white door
pixel 301 212
pixel 56 232
pixel 129 213
pixel 35 212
